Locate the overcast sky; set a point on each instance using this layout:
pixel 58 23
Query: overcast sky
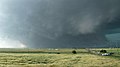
pixel 59 23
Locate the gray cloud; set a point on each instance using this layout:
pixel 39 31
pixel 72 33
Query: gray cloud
pixel 55 23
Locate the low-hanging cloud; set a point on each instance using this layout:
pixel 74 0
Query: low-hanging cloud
pixel 49 22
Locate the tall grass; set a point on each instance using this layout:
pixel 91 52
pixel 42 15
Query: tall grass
pixel 64 59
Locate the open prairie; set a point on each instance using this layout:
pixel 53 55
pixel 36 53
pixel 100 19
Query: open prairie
pixel 58 58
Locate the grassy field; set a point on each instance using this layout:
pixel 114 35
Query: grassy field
pixel 57 58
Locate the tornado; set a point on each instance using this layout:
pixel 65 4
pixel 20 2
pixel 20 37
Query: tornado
pixel 59 23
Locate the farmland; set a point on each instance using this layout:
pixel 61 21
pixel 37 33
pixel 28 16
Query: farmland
pixel 57 58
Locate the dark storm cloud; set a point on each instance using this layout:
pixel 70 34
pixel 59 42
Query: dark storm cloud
pixel 59 23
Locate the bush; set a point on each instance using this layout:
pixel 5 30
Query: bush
pixel 58 53
pixel 74 52
pixel 103 51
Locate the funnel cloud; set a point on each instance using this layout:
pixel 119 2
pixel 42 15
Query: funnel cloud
pixel 59 23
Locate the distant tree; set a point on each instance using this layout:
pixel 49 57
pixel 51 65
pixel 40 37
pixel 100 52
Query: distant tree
pixel 74 52
pixel 103 51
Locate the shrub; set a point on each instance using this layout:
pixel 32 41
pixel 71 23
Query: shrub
pixel 74 52
pixel 103 51
pixel 58 53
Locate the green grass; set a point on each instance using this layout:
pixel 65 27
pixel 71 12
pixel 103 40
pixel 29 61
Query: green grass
pixel 50 58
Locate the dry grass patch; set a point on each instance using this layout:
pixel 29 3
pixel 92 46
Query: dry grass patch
pixel 81 59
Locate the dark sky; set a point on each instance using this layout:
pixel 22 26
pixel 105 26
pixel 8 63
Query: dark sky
pixel 59 23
